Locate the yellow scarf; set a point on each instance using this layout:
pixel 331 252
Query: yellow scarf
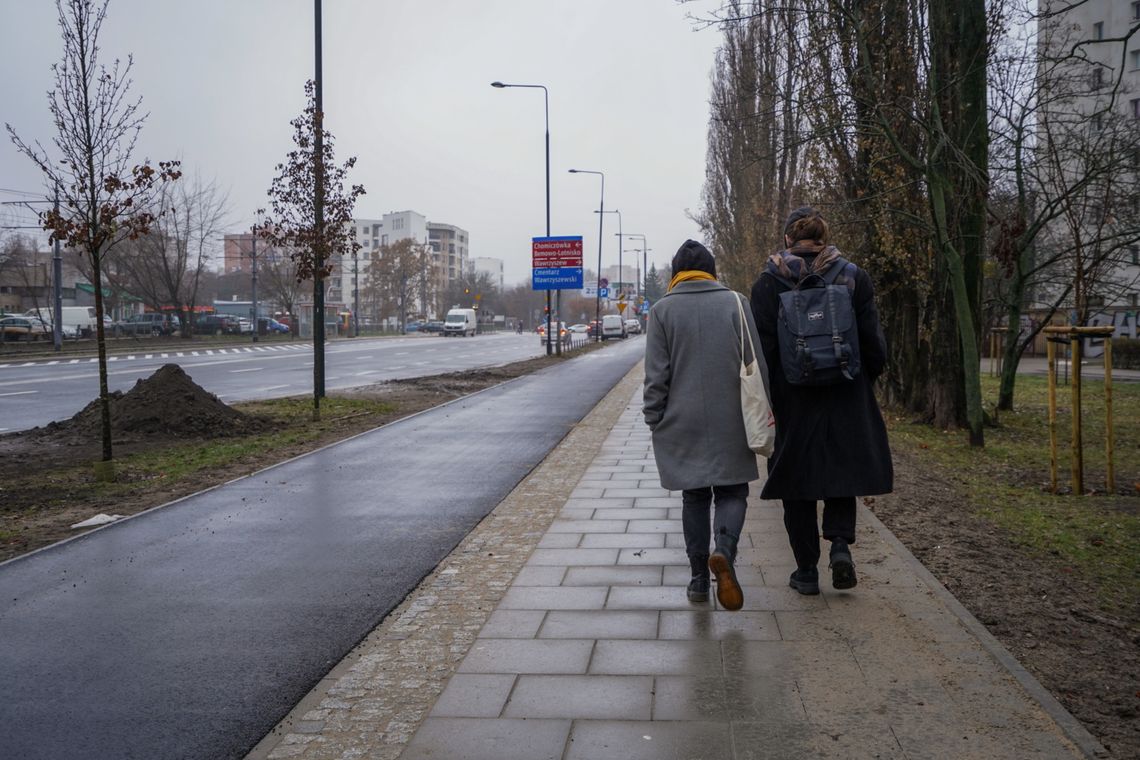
pixel 689 274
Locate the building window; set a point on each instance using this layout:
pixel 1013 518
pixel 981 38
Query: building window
pixel 1098 122
pixel 398 223
pixel 365 244
pixel 1135 105
pixel 451 247
pixel 1136 11
pixel 1098 30
pixel 383 240
pixel 1096 301
pixel 1097 78
pixel 1135 59
pixel 1134 250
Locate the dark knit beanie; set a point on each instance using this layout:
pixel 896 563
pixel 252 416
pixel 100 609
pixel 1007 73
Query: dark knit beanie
pixel 693 255
pixel 803 212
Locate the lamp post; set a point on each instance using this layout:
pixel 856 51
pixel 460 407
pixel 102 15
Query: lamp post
pixel 546 104
pixel 601 219
pixel 644 271
pixel 619 237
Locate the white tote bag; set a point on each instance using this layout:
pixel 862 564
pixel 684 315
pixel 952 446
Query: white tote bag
pixel 759 424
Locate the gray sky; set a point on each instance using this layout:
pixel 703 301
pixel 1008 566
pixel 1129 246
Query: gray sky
pixel 407 91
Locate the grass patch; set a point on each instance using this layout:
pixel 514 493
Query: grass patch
pixel 166 466
pixel 1095 535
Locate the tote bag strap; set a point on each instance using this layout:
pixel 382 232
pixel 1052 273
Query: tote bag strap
pixel 743 330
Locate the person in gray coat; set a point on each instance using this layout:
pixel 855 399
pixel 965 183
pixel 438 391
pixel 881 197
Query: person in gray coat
pixel 692 405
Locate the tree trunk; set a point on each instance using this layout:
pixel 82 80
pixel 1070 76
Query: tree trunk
pixel 101 342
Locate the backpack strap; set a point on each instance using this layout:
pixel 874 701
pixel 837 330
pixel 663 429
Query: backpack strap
pixel 770 270
pixel 836 269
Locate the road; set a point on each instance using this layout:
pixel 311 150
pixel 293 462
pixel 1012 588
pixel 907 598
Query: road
pixel 34 393
pixel 190 630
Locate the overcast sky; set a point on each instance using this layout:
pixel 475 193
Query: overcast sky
pixel 407 91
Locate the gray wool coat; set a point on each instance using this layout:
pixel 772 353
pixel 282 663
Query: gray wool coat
pixel 692 387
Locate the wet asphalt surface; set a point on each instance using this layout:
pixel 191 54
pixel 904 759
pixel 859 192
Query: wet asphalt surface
pixel 190 630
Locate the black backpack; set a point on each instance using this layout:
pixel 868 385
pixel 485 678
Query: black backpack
pixel 816 327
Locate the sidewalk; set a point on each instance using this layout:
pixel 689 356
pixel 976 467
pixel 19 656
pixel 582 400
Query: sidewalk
pixel 592 651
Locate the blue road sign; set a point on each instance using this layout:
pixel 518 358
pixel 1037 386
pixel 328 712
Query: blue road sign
pixel 556 278
pixel 603 292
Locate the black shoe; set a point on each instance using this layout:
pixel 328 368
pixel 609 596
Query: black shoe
pixel 805 580
pixel 698 590
pixel 842 567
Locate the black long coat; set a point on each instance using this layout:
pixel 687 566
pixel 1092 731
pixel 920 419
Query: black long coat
pixel 830 440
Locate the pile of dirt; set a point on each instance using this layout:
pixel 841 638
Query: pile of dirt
pixel 168 404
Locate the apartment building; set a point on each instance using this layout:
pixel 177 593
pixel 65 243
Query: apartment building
pixel 491 267
pixel 1092 98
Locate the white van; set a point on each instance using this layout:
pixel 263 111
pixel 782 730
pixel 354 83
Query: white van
pixel 612 326
pixel 460 322
pixel 77 321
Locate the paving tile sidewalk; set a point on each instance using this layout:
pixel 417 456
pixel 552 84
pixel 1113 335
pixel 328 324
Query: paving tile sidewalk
pixel 594 652
pixel 559 629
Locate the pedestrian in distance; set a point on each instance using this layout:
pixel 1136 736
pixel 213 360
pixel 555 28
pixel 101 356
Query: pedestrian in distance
pixel 824 346
pixel 692 405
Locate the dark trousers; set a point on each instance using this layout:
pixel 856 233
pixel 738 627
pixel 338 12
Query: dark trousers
pixel 731 503
pixel 803 531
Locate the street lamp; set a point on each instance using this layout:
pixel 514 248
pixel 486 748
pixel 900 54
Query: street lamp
pixel 644 272
pixel 601 219
pixel 619 237
pixel 546 103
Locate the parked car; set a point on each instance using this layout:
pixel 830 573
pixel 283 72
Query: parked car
pixel 76 321
pixel 268 325
pixel 633 326
pixel 216 324
pixel 579 328
pixel 245 326
pixel 412 327
pixel 151 323
pixel 21 328
pixel 434 326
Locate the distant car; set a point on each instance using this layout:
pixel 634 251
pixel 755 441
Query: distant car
pixel 563 333
pixel 217 324
pixel 270 325
pixel 412 327
pixel 612 326
pixel 633 327
pixel 151 323
pixel 20 328
pixel 245 325
pixel 434 326
pixel 579 328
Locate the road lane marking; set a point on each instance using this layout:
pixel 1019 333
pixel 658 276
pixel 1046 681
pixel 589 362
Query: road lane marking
pixel 274 388
pixel 248 369
pixel 362 358
pixel 402 353
pixel 18 393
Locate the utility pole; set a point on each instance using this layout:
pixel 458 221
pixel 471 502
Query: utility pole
pixel 57 289
pixel 253 278
pixel 319 220
pixel 355 295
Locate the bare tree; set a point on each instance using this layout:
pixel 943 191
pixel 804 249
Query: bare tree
pixel 397 273
pixel 277 272
pixel 105 199
pixel 1067 206
pixel 165 266
pixel 311 214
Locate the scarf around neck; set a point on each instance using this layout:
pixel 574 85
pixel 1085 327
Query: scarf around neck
pixel 786 261
pixel 689 274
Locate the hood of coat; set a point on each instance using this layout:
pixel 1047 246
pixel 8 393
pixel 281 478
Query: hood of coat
pixel 694 286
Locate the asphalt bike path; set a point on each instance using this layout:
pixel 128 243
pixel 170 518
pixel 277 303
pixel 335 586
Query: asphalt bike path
pixel 188 631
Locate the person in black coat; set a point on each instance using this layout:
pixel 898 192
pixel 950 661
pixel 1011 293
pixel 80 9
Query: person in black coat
pixel 831 443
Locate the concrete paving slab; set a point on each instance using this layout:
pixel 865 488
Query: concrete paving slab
pixel 891 669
